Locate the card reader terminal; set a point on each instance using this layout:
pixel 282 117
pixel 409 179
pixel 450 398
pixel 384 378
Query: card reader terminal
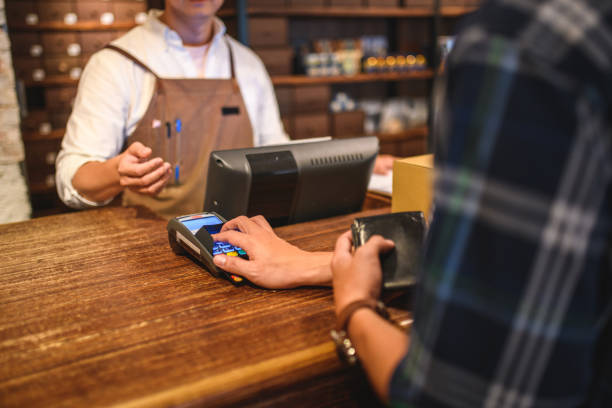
pixel 192 233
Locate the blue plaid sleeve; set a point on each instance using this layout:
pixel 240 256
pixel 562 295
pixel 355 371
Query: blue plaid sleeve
pixel 515 297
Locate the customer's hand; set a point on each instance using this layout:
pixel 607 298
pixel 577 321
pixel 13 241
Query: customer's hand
pixel 273 262
pixel 383 164
pixel 358 275
pixel 141 174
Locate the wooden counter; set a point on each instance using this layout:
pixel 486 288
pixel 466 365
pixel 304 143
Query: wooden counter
pixel 96 310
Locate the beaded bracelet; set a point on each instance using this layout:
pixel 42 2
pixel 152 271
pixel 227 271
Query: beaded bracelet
pixel 344 346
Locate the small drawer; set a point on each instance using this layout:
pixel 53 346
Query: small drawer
pixel 310 125
pixel 92 10
pixel 59 119
pixel 268 32
pixel 311 98
pixel 126 11
pixel 59 43
pixel 61 65
pixel 346 3
pixel 93 41
pixel 418 3
pixel 306 3
pixel 60 98
pixel 287 124
pixel 54 11
pixel 22 12
pixel 383 3
pixel 278 61
pixel 267 3
pixel 347 124
pixel 33 121
pixel 40 161
pixel 23 43
pixel 284 97
pixel 29 69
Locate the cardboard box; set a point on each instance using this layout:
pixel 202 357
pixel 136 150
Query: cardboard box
pixel 413 184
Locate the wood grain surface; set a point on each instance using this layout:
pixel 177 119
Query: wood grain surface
pixel 96 310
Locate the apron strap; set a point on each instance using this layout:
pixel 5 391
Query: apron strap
pixel 231 58
pixel 134 59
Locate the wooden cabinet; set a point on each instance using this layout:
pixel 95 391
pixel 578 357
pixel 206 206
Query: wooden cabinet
pixel 273 30
pixel 51 42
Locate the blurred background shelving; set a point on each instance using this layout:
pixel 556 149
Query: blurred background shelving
pixel 51 41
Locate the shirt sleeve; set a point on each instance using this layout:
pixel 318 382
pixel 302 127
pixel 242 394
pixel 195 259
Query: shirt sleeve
pixel 96 128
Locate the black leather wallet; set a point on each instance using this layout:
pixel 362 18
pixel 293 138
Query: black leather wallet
pixel 407 230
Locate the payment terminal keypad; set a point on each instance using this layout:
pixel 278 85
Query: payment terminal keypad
pixel 229 250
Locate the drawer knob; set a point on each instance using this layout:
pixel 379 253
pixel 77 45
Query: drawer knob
pixel 74 49
pixel 45 129
pixel 70 18
pixel 50 180
pixel 50 158
pixel 31 19
pixel 107 18
pixel 36 50
pixel 38 74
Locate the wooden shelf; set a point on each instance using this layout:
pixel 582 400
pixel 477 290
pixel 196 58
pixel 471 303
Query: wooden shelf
pixel 56 80
pixel 55 134
pixel 351 12
pixel 286 80
pixel 456 11
pixel 79 26
pixel 296 80
pixel 41 188
pixel 414 133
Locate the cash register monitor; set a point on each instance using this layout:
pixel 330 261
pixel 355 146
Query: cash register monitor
pixel 293 182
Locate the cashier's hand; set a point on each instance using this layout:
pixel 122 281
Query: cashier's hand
pixel 141 174
pixel 273 262
pixel 357 275
pixel 383 164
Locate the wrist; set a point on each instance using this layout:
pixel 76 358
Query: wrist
pixel 318 271
pixel 347 312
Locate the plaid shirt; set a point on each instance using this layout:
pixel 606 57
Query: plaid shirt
pixel 515 301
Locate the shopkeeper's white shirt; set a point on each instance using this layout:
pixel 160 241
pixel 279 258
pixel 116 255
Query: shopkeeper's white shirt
pixel 114 94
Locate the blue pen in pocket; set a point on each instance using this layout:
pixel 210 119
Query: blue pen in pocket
pixel 178 125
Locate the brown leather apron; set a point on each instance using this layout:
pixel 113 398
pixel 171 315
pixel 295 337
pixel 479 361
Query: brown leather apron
pixel 185 121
